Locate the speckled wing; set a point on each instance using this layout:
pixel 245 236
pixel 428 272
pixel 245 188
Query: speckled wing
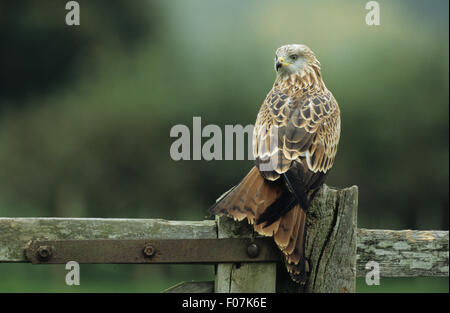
pixel 296 125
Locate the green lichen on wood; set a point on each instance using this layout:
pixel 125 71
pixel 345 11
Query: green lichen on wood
pixel 405 253
pixel 16 233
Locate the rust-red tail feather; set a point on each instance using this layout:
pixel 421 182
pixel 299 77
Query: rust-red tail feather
pixel 250 199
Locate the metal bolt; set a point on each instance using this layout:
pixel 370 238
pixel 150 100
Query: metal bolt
pixel 44 253
pixel 253 250
pixel 149 250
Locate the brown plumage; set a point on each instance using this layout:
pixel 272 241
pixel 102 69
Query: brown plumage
pixel 295 140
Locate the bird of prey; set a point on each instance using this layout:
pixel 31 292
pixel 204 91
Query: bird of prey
pixel 295 140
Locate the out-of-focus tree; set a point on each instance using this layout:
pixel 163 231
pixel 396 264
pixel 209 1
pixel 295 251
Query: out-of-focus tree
pixel 39 52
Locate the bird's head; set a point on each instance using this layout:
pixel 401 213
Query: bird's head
pixel 295 59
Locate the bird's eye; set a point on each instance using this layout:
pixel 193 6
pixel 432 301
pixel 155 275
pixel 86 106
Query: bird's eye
pixel 294 57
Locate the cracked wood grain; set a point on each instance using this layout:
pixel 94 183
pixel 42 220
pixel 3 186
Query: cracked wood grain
pixel 404 253
pixel 330 243
pixel 242 277
pixel 330 249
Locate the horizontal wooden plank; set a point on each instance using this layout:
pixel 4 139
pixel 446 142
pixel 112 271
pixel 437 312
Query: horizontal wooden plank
pixel 16 233
pixel 405 253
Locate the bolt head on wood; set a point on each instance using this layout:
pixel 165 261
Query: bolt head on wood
pixel 149 250
pixel 253 250
pixel 44 252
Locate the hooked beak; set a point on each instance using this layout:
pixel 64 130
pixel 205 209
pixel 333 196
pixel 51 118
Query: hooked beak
pixel 280 63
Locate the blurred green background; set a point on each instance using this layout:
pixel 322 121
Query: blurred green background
pixel 85 114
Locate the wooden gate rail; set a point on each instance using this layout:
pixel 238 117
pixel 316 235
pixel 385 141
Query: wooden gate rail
pixel 332 237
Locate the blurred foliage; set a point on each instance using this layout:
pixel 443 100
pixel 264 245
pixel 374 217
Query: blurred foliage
pixel 40 53
pixel 85 120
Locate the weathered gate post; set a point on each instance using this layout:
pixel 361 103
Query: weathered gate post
pixel 330 250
